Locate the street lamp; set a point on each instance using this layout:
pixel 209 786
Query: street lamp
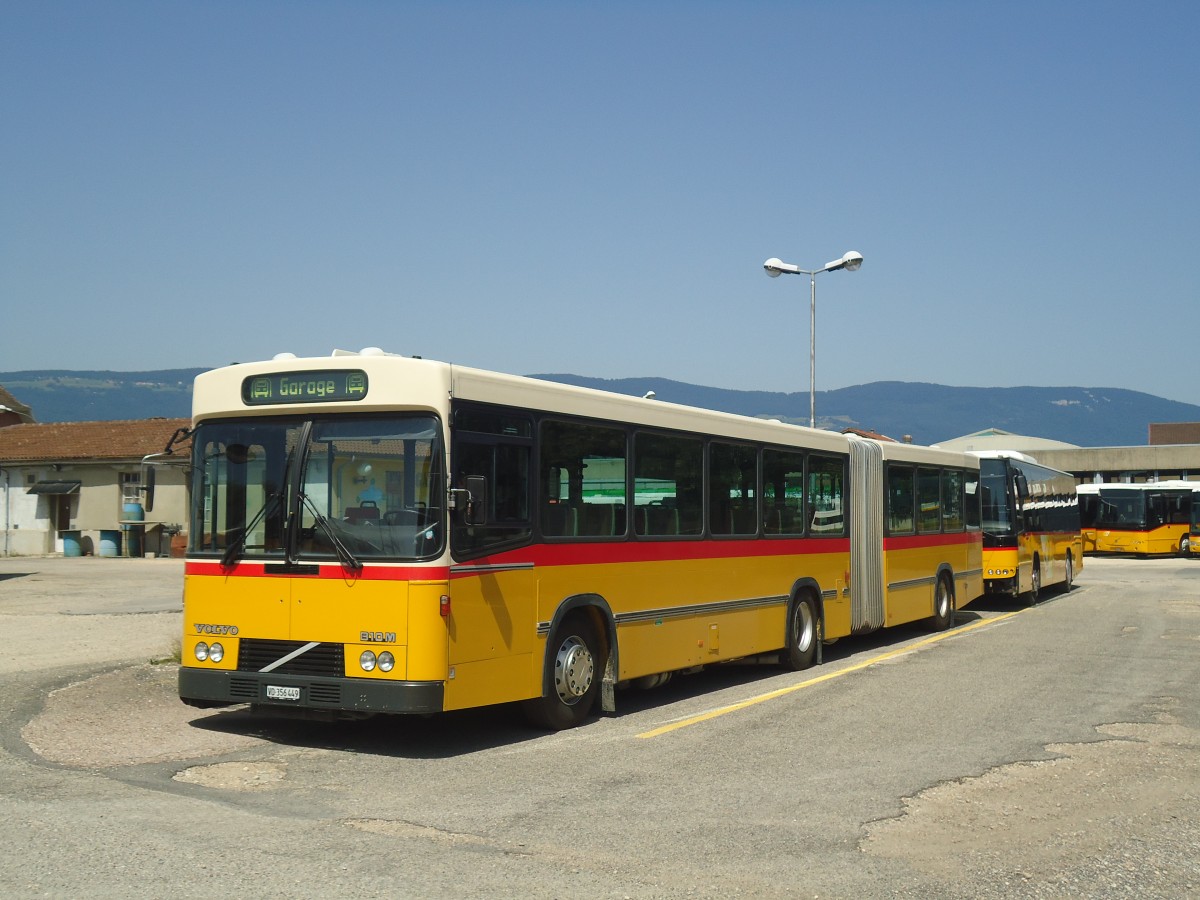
pixel 775 267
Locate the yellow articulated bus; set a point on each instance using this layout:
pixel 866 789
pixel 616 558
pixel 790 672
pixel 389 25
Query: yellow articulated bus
pixel 1144 519
pixel 1032 536
pixel 378 534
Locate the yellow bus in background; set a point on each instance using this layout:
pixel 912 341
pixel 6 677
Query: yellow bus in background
pixel 1143 519
pixel 1193 544
pixel 1032 535
pixel 378 534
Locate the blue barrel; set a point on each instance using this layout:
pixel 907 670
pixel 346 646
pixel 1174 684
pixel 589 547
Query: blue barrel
pixel 110 543
pixel 71 544
pixel 130 513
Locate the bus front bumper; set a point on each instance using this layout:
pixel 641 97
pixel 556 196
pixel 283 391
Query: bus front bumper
pixel 211 688
pixel 1001 585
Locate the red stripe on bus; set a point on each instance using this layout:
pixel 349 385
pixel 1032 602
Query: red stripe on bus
pixel 585 553
pixel 917 541
pixel 367 573
pixel 566 554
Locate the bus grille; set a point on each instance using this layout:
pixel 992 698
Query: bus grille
pixel 322 661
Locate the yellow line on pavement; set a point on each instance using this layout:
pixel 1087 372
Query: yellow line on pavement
pixel 771 695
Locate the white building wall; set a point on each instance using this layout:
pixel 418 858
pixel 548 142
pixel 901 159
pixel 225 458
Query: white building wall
pixel 98 507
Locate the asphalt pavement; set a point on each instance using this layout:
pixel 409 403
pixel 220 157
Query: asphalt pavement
pixel 1044 752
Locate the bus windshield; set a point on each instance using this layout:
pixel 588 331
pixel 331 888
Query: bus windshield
pixel 997 516
pixel 1121 507
pixel 352 489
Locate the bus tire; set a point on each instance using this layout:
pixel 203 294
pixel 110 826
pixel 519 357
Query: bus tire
pixel 803 633
pixel 1185 545
pixel 1035 581
pixel 578 668
pixel 1069 578
pixel 943 605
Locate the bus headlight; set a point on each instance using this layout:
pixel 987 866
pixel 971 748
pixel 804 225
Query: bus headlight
pixel 201 651
pixel 216 653
pixel 367 660
pixel 387 662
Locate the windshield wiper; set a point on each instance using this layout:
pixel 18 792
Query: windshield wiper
pixel 348 559
pixel 238 544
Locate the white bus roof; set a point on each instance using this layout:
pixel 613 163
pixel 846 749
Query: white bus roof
pixel 411 383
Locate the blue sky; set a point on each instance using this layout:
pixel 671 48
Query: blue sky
pixel 592 188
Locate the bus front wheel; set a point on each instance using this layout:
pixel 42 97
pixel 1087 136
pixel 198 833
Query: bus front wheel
pixel 802 634
pixel 1035 581
pixel 575 679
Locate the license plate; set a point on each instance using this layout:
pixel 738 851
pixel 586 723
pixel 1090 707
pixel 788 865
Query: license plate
pixel 275 692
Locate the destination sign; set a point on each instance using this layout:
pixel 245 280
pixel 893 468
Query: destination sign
pixel 321 386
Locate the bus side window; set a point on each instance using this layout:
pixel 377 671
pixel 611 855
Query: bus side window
pixel 826 487
pixel 952 500
pixel 500 449
pixel 901 498
pixel 582 477
pixel 929 499
pixel 783 492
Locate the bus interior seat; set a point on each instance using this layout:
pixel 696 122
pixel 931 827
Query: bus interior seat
pixel 358 515
pixel 658 520
pixel 744 519
pixel 598 519
pixel 559 520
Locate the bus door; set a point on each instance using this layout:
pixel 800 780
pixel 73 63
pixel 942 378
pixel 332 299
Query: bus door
pixel 493 586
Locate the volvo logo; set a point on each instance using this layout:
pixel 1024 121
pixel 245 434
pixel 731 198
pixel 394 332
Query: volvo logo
pixel 216 629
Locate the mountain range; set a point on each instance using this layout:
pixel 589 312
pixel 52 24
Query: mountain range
pixel 1087 417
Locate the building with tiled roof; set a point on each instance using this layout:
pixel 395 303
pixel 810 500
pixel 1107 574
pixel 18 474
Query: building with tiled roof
pixel 873 435
pixel 12 410
pixel 76 441
pixel 76 487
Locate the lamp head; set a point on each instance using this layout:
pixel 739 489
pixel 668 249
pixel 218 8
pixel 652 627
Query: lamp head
pixel 776 267
pixel 850 261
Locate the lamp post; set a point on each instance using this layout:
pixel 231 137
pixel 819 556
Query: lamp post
pixel 775 267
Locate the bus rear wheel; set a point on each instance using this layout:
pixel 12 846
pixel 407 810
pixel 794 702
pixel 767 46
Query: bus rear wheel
pixel 803 632
pixel 575 680
pixel 943 605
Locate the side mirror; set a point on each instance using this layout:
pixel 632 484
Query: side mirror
pixel 554 483
pixel 477 500
pixel 1021 483
pixel 148 487
pixel 470 503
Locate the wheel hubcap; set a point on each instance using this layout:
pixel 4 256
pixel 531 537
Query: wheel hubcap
pixel 804 627
pixel 574 669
